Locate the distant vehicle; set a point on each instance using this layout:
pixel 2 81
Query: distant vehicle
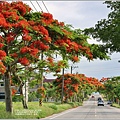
pixel 99 99
pixel 92 96
pixel 109 102
pixel 100 103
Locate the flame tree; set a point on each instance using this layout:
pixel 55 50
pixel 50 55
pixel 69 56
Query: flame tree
pixel 76 84
pixel 26 35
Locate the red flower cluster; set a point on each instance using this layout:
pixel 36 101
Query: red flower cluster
pixel 2 54
pixel 58 23
pixel 2 68
pixel 14 55
pixel 41 92
pixel 24 61
pixel 2 21
pixel 47 39
pixel 13 91
pixel 11 15
pixel 75 58
pixel 22 24
pixel 1 45
pixel 47 18
pixel 10 37
pixel 26 37
pixel 21 7
pixel 40 45
pixel 50 59
pixel 32 51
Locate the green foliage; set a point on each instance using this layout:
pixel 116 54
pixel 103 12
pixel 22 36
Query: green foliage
pixel 99 52
pixel 17 98
pixel 32 96
pixel 8 60
pixel 33 83
pixel 112 88
pixel 34 111
pixel 53 107
pixel 107 30
pixel 36 16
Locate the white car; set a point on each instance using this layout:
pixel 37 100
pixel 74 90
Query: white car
pixel 100 103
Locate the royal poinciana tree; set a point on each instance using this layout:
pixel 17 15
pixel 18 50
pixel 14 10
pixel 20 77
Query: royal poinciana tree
pixel 25 36
pixel 76 84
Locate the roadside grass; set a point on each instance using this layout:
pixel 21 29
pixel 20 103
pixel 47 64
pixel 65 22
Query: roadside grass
pixel 35 111
pixel 115 105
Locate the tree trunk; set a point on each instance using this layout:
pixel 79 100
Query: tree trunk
pixel 24 92
pixel 25 95
pixel 8 96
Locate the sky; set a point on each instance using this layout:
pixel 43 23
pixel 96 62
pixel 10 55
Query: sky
pixel 83 14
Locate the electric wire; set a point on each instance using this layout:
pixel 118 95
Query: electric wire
pixel 45 6
pixel 33 5
pixel 39 6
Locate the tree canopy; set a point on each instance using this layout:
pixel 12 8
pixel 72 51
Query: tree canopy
pixel 26 36
pixel 108 30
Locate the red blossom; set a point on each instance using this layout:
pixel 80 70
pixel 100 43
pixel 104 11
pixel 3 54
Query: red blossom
pixel 24 50
pixel 31 23
pixel 13 91
pixel 36 28
pixel 43 46
pixel 26 37
pixel 34 52
pixel 43 30
pixel 1 45
pixel 50 59
pixel 2 68
pixel 75 58
pixel 40 45
pixel 47 18
pixel 2 20
pixel 5 6
pixel 58 23
pixel 24 61
pixel 25 31
pixel 11 15
pixel 58 70
pixel 10 37
pixel 2 54
pixel 21 7
pixel 22 24
pixel 14 55
pixel 47 39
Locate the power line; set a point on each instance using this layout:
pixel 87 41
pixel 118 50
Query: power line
pixel 45 6
pixel 39 6
pixel 33 5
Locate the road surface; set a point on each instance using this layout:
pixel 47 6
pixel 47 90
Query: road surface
pixel 89 111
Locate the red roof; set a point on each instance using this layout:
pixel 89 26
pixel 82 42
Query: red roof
pixel 48 80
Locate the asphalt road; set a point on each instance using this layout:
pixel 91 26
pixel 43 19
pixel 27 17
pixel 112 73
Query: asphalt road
pixel 89 111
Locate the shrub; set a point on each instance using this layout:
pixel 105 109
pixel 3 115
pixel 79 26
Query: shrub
pixel 53 107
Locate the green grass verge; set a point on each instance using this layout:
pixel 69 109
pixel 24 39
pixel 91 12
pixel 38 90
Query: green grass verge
pixel 115 105
pixel 34 110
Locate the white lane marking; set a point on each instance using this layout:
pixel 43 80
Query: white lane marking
pixel 62 113
pixel 95 112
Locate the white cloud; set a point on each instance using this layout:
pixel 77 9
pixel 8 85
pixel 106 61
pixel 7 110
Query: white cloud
pixel 80 14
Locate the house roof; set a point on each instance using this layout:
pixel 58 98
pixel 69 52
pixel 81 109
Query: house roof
pixel 48 80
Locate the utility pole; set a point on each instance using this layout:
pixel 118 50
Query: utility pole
pixel 73 67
